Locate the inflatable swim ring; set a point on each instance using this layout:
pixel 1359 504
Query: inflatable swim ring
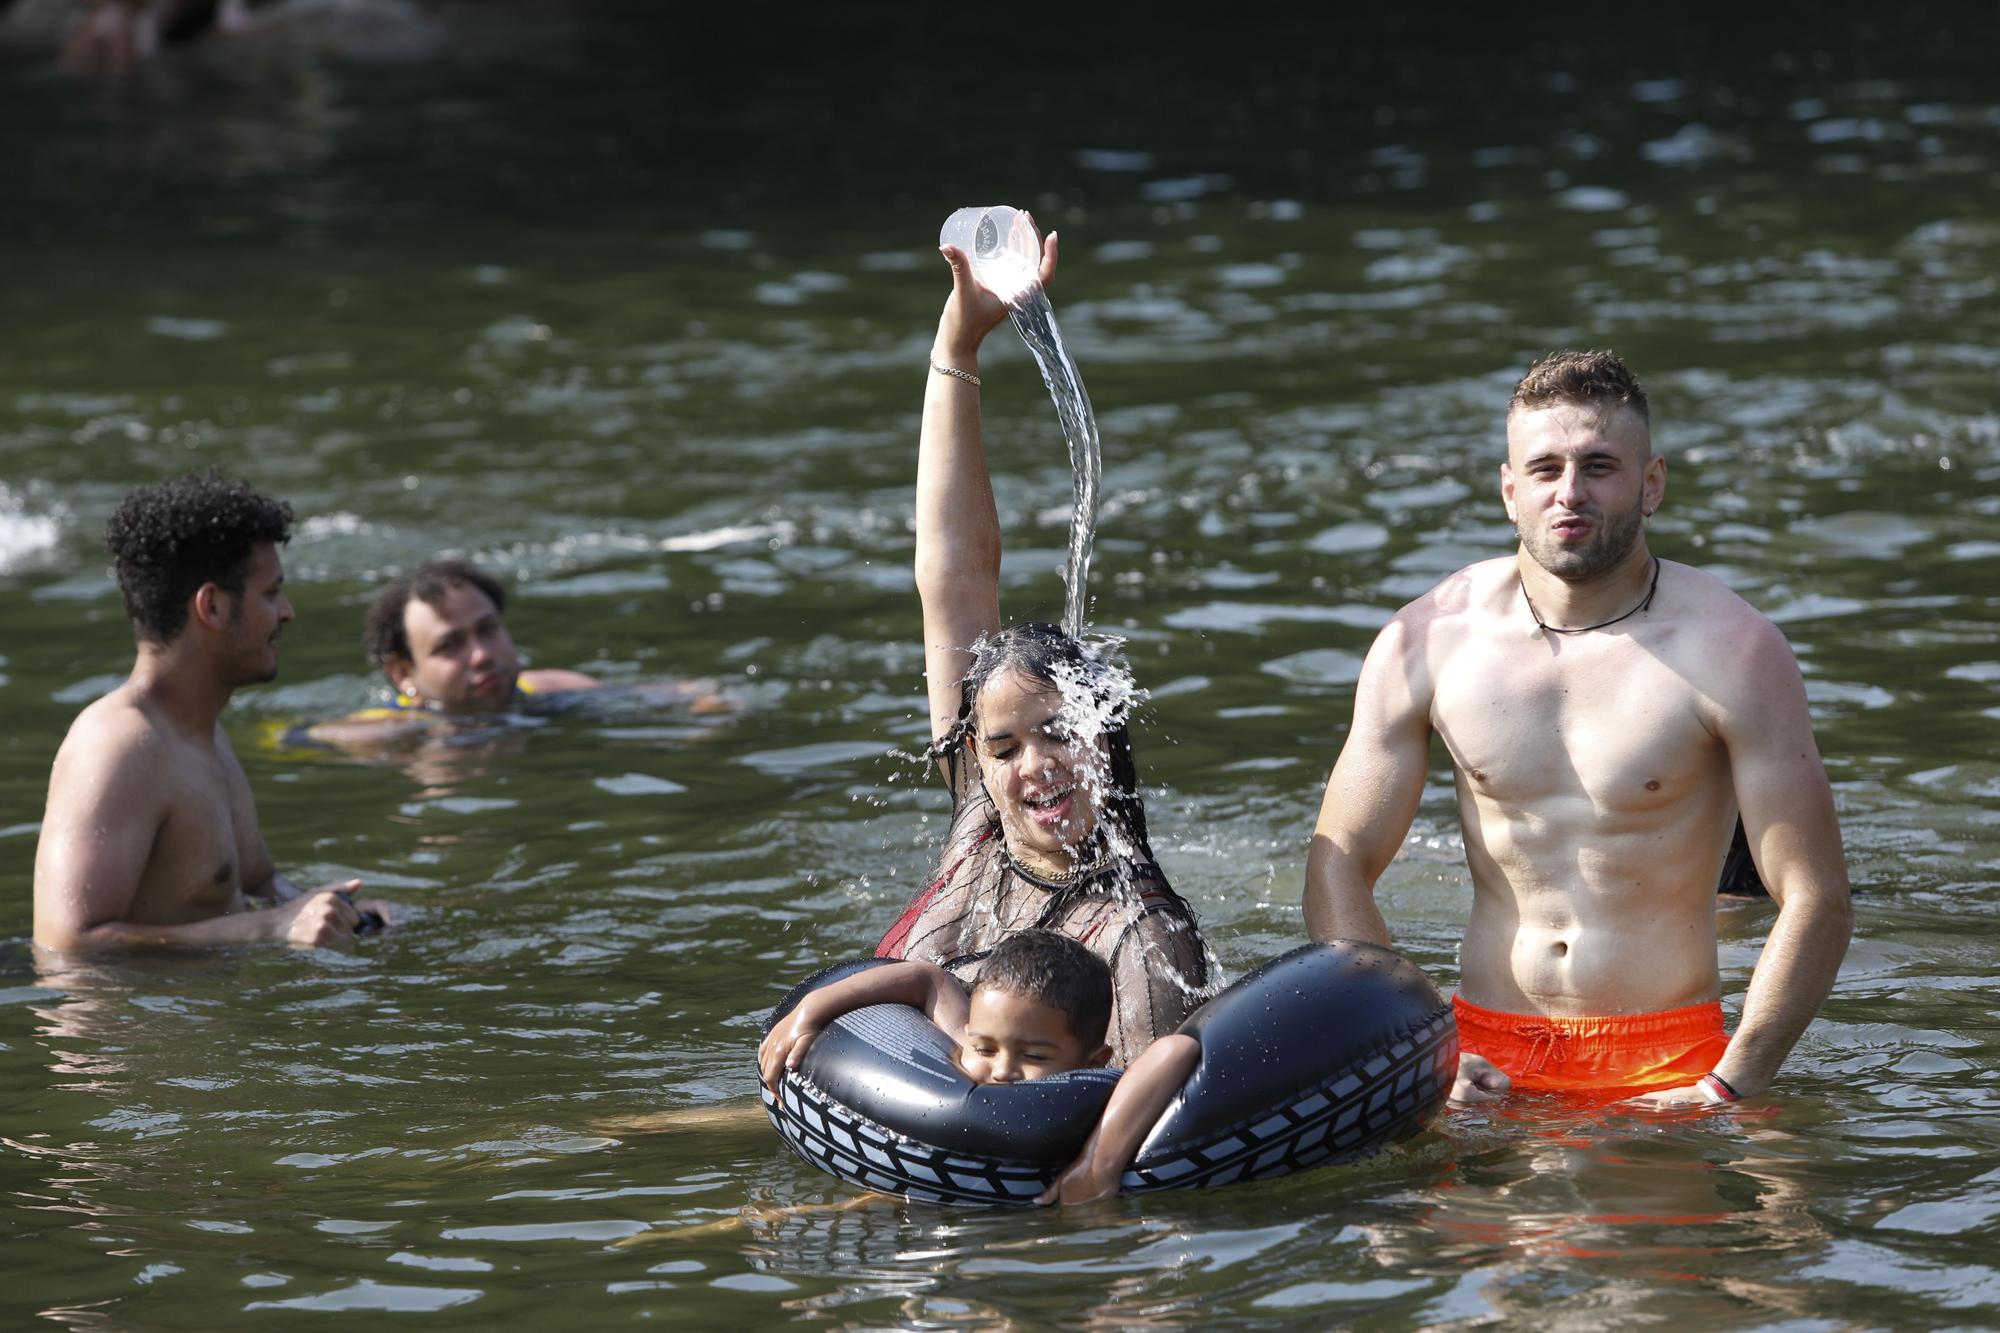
pixel 1326 1054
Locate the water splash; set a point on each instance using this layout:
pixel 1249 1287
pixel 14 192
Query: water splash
pixel 1006 255
pixel 1099 698
pixel 1098 692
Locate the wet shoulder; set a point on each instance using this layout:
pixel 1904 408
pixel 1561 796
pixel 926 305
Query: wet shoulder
pixel 1720 639
pixel 1461 599
pixel 1429 631
pixel 1166 927
pixel 1709 615
pixel 115 758
pixel 114 730
pixel 555 680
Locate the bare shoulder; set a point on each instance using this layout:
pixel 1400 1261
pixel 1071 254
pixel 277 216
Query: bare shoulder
pixel 1718 618
pixel 1459 606
pixel 372 728
pixel 557 680
pixel 114 732
pixel 1460 599
pixel 1736 652
pixel 114 752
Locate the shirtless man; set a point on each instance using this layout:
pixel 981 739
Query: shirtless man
pixel 1607 715
pixel 150 837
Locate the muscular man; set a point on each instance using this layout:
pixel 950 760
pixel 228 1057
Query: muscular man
pixel 1607 715
pixel 151 835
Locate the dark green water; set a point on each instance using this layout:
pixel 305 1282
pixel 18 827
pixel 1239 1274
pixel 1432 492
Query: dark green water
pixel 636 311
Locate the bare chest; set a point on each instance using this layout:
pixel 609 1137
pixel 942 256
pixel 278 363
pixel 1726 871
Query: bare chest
pixel 206 844
pixel 1603 720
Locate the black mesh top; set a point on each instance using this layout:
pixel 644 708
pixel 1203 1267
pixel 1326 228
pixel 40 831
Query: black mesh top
pixel 1127 914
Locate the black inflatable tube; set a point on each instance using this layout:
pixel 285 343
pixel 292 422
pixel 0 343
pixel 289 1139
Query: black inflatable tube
pixel 1324 1055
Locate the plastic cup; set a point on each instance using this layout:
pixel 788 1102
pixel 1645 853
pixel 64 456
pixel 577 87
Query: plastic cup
pixel 1005 250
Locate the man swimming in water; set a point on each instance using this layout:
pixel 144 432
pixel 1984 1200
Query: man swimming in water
pixel 151 837
pixel 1607 714
pixel 438 635
pixel 436 632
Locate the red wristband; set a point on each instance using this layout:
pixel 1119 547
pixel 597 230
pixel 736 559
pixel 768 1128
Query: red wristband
pixel 1718 1087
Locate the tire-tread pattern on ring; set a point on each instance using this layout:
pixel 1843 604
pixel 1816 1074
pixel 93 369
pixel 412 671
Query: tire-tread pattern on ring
pixel 1357 1111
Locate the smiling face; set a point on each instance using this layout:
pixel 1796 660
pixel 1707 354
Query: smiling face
pixel 1011 1036
pixel 1040 779
pixel 461 658
pixel 1578 483
pixel 257 618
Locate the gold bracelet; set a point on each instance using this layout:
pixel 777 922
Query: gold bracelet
pixel 956 374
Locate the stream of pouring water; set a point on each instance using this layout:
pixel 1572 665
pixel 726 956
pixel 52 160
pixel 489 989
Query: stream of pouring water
pixel 1006 258
pixel 1100 696
pixel 1035 320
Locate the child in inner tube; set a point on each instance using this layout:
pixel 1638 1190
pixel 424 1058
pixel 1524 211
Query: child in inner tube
pixel 1039 1006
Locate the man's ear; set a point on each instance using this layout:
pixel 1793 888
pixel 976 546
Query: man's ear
pixel 1507 492
pixel 1098 1058
pixel 210 606
pixel 402 674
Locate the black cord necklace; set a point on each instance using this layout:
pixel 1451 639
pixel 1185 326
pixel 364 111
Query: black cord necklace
pixel 1543 627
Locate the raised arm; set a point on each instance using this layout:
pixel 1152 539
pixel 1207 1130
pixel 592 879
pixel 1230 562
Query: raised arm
pixel 922 986
pixel 1372 796
pixel 1788 816
pixel 958 528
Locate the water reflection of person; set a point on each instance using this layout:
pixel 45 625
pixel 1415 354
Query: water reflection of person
pixel 1601 1206
pixel 1028 729
pixel 113 35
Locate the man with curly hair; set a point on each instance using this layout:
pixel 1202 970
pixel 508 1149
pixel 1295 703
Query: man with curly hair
pixel 151 837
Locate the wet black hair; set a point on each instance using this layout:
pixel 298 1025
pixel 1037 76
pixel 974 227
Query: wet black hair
pixel 166 541
pixel 1054 970
pixel 382 632
pixel 1049 654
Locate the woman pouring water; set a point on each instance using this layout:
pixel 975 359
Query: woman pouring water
pixel 1029 727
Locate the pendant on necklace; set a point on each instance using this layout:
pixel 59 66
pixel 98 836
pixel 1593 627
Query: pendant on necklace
pixel 1536 631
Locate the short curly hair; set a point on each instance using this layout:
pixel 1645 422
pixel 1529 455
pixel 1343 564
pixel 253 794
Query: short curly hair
pixel 1596 378
pixel 1057 971
pixel 166 541
pixel 382 634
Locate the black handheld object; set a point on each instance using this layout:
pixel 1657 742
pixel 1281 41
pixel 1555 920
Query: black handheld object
pixel 1326 1054
pixel 371 922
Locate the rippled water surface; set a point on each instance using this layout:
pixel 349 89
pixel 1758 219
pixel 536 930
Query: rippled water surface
pixel 638 315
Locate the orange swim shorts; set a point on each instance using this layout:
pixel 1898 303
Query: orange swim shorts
pixel 1621 1054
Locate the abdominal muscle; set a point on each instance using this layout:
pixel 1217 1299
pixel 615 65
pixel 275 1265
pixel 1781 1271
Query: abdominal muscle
pixel 1628 928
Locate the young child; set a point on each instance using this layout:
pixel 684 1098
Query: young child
pixel 1039 1006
